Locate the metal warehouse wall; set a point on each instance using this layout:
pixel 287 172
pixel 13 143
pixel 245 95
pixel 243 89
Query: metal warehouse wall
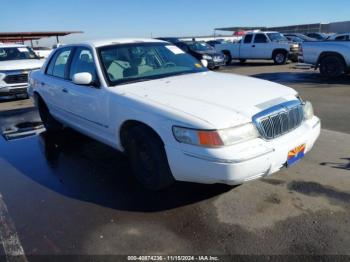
pixel 339 27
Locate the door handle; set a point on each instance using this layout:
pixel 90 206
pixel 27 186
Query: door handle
pixel 253 45
pixel 64 90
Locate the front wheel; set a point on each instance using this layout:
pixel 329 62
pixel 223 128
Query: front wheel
pixel 280 58
pixel 228 58
pixel 332 66
pixel 148 159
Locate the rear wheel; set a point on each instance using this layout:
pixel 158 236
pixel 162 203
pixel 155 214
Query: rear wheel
pixel 280 57
pixel 51 124
pixel 148 159
pixel 332 66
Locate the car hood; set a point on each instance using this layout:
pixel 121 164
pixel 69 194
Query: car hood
pixel 23 64
pixel 209 52
pixel 222 100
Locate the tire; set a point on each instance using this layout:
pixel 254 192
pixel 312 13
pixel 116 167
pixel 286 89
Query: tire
pixel 228 58
pixel 50 124
pixel 148 159
pixel 332 66
pixel 280 57
pixel 242 61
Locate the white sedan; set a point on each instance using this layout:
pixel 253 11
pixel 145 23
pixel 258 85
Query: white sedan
pixel 173 118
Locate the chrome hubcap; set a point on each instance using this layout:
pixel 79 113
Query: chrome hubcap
pixel 279 58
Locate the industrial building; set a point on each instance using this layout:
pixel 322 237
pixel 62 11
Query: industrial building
pixel 336 27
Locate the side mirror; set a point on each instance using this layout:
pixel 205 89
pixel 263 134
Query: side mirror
pixel 204 62
pixel 82 79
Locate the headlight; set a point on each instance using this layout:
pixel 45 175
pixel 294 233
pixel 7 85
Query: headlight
pixel 215 138
pixel 308 110
pixel 2 76
pixel 207 57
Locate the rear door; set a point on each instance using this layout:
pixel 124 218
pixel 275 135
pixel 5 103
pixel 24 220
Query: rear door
pixel 54 81
pixel 260 46
pixel 246 47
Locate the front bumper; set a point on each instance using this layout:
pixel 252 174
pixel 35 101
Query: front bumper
pixel 242 162
pixel 216 63
pixel 293 56
pixel 13 90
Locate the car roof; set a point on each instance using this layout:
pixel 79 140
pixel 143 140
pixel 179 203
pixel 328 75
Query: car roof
pixel 116 41
pixel 337 35
pixel 192 42
pixel 341 34
pixel 12 45
pixel 261 32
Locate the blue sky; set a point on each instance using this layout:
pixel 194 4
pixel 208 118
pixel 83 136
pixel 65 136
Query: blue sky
pixel 143 18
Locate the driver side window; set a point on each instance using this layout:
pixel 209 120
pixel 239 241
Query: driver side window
pixel 260 38
pixel 83 62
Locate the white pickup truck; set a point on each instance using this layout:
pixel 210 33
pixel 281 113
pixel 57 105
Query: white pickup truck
pixel 171 116
pixel 16 61
pixel 331 57
pixel 261 45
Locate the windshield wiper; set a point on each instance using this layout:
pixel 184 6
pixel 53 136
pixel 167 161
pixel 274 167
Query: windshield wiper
pixel 124 82
pixel 134 81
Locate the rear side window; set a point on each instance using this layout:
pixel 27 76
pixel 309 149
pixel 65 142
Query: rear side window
pixel 260 38
pixel 248 39
pixel 58 63
pixel 83 62
pixel 341 38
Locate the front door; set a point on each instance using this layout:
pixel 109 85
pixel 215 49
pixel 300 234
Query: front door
pixel 260 47
pixel 87 105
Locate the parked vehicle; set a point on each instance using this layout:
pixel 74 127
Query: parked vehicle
pixel 213 43
pixel 299 37
pixel 42 52
pixel 331 57
pixel 318 36
pixel 340 37
pixel 173 118
pixel 200 50
pixel 203 51
pixel 260 45
pixel 16 61
pixel 172 40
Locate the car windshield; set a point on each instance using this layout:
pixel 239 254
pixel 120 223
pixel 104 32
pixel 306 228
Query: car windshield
pixel 276 37
pixel 16 53
pixel 145 61
pixel 295 39
pixel 305 38
pixel 199 46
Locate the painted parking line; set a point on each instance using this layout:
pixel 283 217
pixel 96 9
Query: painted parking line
pixel 8 236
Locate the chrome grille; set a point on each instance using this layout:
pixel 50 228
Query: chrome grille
pixel 16 79
pixel 279 120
